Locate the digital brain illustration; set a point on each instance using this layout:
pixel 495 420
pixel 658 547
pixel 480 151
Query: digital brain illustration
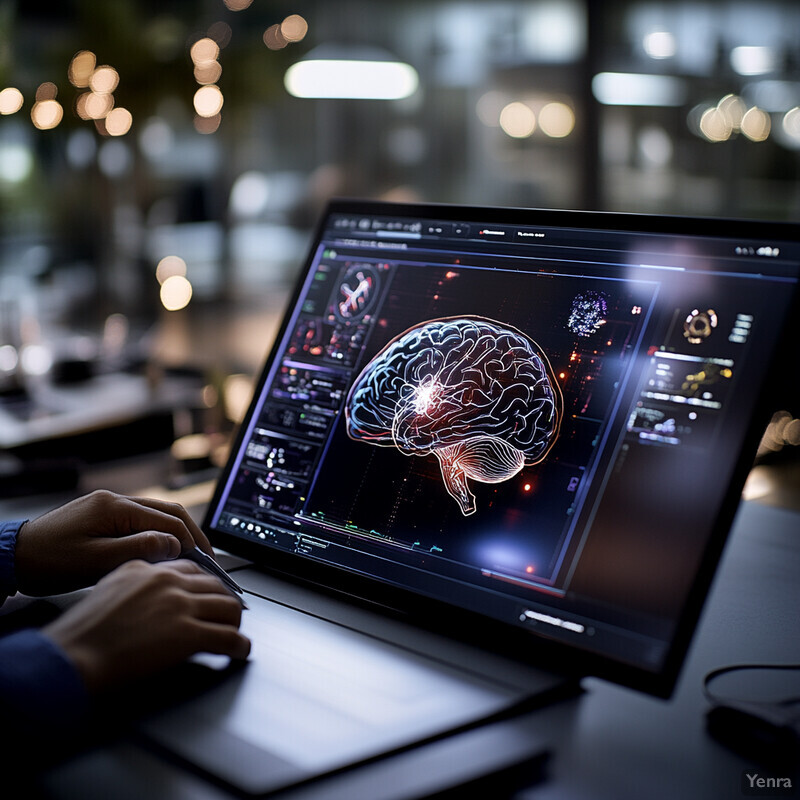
pixel 477 394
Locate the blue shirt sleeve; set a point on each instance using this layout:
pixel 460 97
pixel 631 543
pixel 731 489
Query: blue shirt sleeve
pixel 38 682
pixel 8 544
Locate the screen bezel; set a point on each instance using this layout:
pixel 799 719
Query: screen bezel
pixel 522 644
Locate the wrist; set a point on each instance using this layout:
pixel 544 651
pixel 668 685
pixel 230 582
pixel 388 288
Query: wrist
pixel 25 559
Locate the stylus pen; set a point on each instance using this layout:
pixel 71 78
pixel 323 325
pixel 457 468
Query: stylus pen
pixel 209 565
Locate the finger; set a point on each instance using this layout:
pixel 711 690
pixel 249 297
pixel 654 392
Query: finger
pixel 219 639
pixel 186 566
pixel 223 609
pixel 177 510
pixel 195 579
pixel 141 517
pixel 152 546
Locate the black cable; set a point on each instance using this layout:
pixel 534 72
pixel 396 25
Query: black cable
pixel 716 673
pixel 767 731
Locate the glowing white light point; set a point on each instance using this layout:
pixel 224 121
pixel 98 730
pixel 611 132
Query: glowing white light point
pixel 119 121
pixel 36 359
pixel 204 50
pixel 47 114
pixel 104 80
pixel 715 126
pixel 10 100
pixel 518 120
pixel 176 292
pixel 294 28
pixel 660 44
pixel 208 101
pixel 557 120
pixel 424 396
pixel 756 124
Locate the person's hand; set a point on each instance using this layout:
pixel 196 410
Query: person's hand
pixel 143 618
pixel 75 545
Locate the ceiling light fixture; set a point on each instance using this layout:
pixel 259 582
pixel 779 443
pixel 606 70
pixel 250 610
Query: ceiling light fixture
pixel 351 73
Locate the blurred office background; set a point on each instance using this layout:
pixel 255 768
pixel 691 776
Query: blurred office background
pixel 162 164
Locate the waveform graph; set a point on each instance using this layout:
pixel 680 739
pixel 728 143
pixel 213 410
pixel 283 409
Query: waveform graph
pixel 477 394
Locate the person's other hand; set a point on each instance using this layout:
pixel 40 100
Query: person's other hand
pixel 143 618
pixel 75 545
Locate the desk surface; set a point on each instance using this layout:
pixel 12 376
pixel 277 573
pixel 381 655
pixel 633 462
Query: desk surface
pixel 610 742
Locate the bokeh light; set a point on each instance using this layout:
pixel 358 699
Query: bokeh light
pixel 208 73
pixel 756 124
pixel 47 114
pixel 81 148
pixel 237 5
pixel 176 292
pixel 16 162
pixel 729 117
pixel 557 120
pixel 783 429
pixel 46 91
pixel 733 108
pixel 660 44
pixel 11 100
pixel 95 105
pixel 274 39
pixel 119 121
pixel 791 123
pixel 221 33
pixel 655 146
pixel 104 80
pixel 156 138
pixel 294 28
pixel 9 358
pixel 36 359
pixel 80 106
pixel 208 101
pixel 170 266
pixel 351 78
pixel 635 89
pixel 518 120
pixel 250 194
pixel 753 60
pixel 714 125
pixel 204 50
pixel 207 125
pixel 489 107
pixel 81 68
pixel 114 157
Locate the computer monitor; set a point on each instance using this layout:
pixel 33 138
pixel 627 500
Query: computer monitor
pixel 526 428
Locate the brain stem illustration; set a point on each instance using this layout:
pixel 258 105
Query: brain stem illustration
pixel 477 394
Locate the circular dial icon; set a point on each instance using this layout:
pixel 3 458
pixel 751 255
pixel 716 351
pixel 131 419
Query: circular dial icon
pixel 698 325
pixel 357 292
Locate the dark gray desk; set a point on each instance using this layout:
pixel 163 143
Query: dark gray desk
pixel 606 743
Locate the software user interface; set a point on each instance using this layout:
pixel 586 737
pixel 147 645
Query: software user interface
pixel 533 423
